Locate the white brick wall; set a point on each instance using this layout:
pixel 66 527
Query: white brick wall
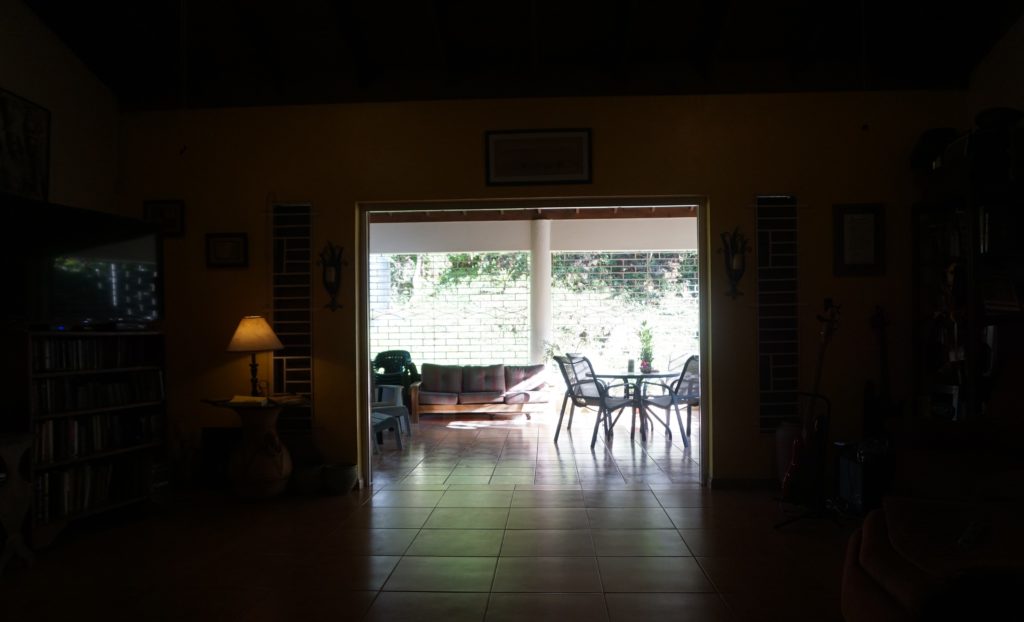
pixel 483 321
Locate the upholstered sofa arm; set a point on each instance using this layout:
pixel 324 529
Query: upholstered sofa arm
pixel 414 401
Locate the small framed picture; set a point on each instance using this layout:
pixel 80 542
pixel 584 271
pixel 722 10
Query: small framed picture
pixel 169 215
pixel 535 157
pixel 859 239
pixel 227 250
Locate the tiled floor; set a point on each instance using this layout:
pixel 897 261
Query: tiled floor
pixel 474 520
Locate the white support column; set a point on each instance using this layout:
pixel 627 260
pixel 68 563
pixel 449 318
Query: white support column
pixel 540 288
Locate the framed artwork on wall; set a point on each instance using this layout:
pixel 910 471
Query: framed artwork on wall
pixel 24 147
pixel 858 239
pixel 227 250
pixel 536 157
pixel 169 215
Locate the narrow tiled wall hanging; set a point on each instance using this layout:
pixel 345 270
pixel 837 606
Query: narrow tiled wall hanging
pixel 293 298
pixel 778 345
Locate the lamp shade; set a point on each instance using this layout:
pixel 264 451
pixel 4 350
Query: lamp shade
pixel 254 335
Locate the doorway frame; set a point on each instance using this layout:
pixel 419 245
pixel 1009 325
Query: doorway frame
pixel 362 216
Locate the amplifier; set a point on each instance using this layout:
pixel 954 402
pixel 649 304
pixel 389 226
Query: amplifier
pixel 865 473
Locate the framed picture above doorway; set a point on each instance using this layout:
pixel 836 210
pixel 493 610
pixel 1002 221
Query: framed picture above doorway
pixel 538 157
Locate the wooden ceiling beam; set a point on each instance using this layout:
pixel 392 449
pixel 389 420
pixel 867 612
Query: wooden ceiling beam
pixel 704 48
pixel 353 36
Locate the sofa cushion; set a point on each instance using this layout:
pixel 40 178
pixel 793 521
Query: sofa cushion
pixel 526 397
pixel 949 538
pixel 441 379
pixel 862 599
pixel 904 581
pixel 524 377
pixel 438 397
pixel 481 397
pixel 483 378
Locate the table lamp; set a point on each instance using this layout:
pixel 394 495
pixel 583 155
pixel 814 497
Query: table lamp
pixel 254 335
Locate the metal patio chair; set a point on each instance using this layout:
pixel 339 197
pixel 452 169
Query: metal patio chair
pixel 684 391
pixel 585 391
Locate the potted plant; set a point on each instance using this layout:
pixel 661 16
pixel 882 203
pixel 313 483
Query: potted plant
pixel 646 347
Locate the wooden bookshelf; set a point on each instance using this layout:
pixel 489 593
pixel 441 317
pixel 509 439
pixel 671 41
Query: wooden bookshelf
pixel 94 402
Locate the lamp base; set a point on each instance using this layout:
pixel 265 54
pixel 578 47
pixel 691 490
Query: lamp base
pixel 261 465
pixel 253 367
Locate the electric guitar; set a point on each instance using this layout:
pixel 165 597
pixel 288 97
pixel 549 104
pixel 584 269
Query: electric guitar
pixel 798 480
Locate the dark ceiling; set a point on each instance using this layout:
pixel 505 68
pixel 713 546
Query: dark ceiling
pixel 171 53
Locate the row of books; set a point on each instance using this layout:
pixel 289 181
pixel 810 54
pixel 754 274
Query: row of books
pixel 60 494
pixel 72 393
pixel 91 353
pixel 57 440
pixel 999 294
pixel 69 492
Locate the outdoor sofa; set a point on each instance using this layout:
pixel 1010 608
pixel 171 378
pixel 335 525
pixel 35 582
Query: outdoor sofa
pixel 489 389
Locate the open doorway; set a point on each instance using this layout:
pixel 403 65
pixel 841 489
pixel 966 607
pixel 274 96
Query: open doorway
pixel 601 266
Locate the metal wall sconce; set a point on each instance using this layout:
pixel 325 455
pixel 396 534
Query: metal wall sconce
pixel 330 263
pixel 734 247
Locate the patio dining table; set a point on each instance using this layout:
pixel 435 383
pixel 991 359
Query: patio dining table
pixel 630 381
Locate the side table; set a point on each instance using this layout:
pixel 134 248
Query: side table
pixel 261 465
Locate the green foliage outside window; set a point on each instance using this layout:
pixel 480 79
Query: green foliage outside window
pixel 502 267
pixel 601 299
pixel 639 277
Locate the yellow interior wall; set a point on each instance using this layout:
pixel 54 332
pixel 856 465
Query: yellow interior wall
pixel 36 65
pixel 996 81
pixel 228 166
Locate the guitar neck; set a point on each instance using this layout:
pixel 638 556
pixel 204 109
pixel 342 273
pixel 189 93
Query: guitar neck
pixel 878 321
pixel 828 323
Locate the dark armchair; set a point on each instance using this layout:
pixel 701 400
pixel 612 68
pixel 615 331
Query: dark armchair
pixel 394 367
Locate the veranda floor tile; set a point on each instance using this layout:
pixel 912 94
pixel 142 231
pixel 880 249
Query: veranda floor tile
pixel 351 542
pixel 419 606
pixel 548 498
pixel 628 518
pixel 467 518
pixel 547 574
pixel 442 574
pixel 387 518
pixel 639 542
pixel 667 606
pixel 457 543
pixel 406 498
pixel 512 479
pixel 546 607
pixel 653 574
pixel 547 543
pixel 547 518
pixel 478 498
